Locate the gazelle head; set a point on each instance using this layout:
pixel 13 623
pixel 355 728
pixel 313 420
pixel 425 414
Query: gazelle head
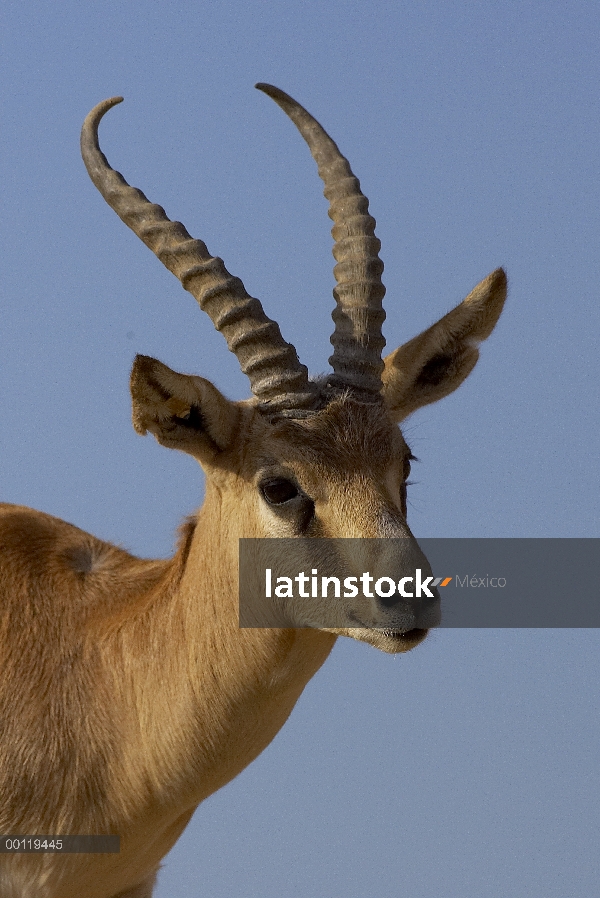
pixel 304 458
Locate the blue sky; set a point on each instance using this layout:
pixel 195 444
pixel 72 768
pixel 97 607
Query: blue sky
pixel 469 766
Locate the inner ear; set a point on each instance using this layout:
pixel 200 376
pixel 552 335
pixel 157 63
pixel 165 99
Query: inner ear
pixel 436 370
pixel 183 411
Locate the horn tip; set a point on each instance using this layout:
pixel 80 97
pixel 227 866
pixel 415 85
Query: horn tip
pixel 105 105
pixel 89 134
pixel 92 120
pixel 274 92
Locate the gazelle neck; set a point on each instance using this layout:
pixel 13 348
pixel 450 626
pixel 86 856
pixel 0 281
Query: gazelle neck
pixel 241 683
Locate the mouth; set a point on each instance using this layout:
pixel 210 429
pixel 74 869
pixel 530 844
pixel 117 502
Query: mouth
pixel 414 633
pixel 393 641
pixel 388 639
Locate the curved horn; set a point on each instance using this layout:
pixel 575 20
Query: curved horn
pixel 357 339
pixel 277 378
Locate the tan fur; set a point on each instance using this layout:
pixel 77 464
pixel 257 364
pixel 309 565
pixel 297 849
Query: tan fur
pixel 129 693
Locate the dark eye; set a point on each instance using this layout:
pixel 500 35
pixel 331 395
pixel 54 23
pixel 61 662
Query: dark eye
pixel 278 491
pixel 407 460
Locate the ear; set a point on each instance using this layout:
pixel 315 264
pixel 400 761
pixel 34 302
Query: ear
pixel 182 411
pixel 436 362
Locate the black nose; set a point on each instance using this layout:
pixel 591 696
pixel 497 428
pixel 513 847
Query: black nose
pixel 426 609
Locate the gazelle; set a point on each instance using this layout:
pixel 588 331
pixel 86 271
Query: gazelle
pixel 129 693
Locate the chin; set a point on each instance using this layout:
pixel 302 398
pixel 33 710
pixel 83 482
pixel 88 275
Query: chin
pixel 390 641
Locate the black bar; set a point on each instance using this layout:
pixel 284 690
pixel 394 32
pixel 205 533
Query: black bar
pixel 26 844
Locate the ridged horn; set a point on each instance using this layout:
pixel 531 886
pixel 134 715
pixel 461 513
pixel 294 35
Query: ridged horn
pixel 358 316
pixel 277 378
